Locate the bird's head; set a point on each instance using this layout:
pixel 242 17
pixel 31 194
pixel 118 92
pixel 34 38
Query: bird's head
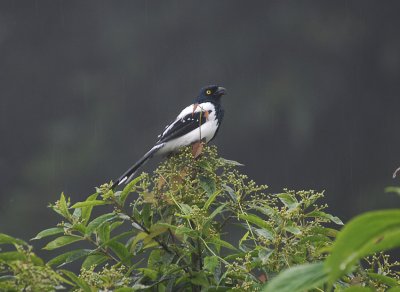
pixel 211 93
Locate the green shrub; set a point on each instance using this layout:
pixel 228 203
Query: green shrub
pixel 197 225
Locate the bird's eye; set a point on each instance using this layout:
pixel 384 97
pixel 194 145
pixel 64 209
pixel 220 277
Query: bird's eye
pixel 208 91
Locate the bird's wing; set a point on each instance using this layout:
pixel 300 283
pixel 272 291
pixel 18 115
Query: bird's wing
pixel 186 122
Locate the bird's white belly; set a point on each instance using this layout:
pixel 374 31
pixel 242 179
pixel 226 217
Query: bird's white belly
pixel 205 132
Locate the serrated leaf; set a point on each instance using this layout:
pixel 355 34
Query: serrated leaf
pixel 89 204
pixel 320 214
pixel 208 185
pixel 97 222
pixel 68 257
pixel 298 279
pixel 288 200
pixel 48 232
pixel 62 241
pixel 366 234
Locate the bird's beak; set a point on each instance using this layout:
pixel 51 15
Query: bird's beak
pixel 221 91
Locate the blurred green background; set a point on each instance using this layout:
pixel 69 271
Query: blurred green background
pixel 86 87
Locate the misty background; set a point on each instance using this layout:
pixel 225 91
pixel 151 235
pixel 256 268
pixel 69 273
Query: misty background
pixel 86 87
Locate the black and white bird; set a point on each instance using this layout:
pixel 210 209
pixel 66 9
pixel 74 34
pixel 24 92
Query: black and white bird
pixel 199 121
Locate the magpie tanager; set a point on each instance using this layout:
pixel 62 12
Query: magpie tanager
pixel 199 121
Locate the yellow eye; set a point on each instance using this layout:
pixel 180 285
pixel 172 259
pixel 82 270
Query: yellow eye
pixel 208 91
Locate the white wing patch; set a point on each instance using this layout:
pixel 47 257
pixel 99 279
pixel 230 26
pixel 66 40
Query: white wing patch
pixel 205 131
pixel 207 106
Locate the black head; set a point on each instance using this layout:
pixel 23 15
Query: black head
pixel 211 93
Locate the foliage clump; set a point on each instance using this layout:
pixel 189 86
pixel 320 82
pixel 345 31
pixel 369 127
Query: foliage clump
pixel 195 224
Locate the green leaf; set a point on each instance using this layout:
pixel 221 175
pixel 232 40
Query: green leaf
pixel 256 220
pixel 119 249
pixel 293 229
pixel 264 255
pixel 186 209
pixel 244 238
pixel 298 278
pixel 264 233
pixel 391 282
pixel 61 241
pixel 200 279
pixel 6 239
pixel 62 207
pixel 211 199
pixel 208 185
pixel 128 289
pixel 94 260
pixel 10 256
pixel 104 232
pixel 152 274
pixel 89 204
pixel 79 282
pixel 288 200
pixel 48 232
pixel 211 263
pixel 87 211
pixel 230 162
pixel 219 242
pixel 364 235
pixel 129 188
pixel 395 190
pixel 216 212
pixel 183 230
pixel 140 236
pixel 97 222
pixel 357 289
pixel 320 214
pixel 231 193
pixel 68 257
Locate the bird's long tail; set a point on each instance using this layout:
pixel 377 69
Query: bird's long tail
pixel 128 175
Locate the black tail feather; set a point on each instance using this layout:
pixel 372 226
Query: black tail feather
pixel 128 175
